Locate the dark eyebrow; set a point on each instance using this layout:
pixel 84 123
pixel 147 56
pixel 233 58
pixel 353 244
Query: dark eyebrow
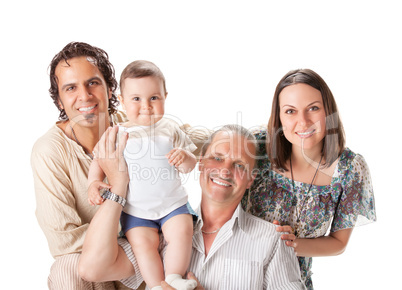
pixel 88 81
pixel 287 106
pixel 307 105
pixel 94 79
pixel 313 103
pixel 67 85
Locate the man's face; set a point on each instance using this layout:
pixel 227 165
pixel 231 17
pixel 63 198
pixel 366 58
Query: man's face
pixel 226 168
pixel 83 91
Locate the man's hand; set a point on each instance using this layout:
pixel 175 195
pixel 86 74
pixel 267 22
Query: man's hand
pixel 109 155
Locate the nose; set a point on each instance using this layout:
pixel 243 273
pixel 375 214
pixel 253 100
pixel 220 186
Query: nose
pixel 303 119
pixel 84 93
pixel 145 105
pixel 226 170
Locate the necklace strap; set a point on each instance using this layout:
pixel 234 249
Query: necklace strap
pixel 315 174
pixel 210 233
pixel 298 214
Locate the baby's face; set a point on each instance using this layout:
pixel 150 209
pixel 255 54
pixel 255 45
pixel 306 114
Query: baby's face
pixel 144 100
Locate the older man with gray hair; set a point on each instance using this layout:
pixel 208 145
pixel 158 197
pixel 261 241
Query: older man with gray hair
pixel 231 249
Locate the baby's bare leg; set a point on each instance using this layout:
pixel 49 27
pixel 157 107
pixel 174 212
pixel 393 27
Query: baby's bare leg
pixel 145 243
pixel 178 233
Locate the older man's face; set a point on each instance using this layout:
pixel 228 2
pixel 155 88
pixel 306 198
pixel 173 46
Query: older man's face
pixel 226 168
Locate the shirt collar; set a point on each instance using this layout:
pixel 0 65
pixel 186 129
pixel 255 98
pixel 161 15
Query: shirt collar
pixel 238 215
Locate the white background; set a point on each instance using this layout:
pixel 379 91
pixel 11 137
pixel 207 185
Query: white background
pixel 222 61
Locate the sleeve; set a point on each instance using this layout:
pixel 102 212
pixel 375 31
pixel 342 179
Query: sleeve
pixel 198 135
pixel 181 140
pixel 134 281
pixel 55 203
pixel 118 117
pixel 283 271
pixel 356 204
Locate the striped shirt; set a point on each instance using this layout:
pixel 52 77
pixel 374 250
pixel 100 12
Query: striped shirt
pixel 247 253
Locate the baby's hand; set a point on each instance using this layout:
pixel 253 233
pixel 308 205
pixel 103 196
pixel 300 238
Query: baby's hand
pixel 94 197
pixel 183 160
pixel 176 156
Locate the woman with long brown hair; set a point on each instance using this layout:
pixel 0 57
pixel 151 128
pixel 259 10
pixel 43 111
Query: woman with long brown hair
pixel 307 179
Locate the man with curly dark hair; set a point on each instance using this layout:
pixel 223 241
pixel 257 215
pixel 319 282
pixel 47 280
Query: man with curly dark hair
pixel 99 57
pixel 82 87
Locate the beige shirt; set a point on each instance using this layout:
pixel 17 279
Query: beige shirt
pixel 60 169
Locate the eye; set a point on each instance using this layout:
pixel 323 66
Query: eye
pixel 314 108
pixel 68 89
pixel 93 83
pixel 216 158
pixel 154 98
pixel 136 99
pixel 289 111
pixel 240 166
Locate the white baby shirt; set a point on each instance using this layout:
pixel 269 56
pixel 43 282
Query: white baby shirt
pixel 155 187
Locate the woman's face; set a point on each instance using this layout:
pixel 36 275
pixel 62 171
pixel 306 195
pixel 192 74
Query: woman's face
pixel 302 116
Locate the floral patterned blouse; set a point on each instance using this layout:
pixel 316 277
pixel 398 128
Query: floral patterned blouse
pixel 347 202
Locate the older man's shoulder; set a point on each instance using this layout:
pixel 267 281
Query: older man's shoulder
pixel 259 228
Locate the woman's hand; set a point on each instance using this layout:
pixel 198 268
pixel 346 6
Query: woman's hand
pixel 289 237
pixel 109 155
pixel 190 276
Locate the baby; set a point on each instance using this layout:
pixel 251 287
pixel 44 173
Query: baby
pixel 156 151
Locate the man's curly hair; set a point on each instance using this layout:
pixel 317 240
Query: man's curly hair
pixel 100 59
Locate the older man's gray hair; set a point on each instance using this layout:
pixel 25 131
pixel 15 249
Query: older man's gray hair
pixel 232 129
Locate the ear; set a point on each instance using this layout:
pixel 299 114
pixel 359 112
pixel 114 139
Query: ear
pixel 250 182
pixel 166 95
pixel 121 100
pixel 253 174
pixel 110 94
pixel 200 163
pixel 60 104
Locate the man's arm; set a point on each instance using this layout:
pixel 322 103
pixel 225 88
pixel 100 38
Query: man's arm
pixel 102 259
pixel 283 270
pixel 55 202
